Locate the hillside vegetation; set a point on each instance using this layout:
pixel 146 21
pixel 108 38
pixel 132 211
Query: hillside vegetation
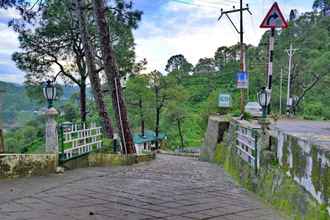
pixel 180 102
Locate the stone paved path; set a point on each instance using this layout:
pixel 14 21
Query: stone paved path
pixel 168 188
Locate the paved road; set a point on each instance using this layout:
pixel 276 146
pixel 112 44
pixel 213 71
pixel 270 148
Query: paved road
pixel 304 127
pixel 318 131
pixel 168 188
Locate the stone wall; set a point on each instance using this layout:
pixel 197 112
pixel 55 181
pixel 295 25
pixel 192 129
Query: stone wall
pixel 307 162
pixel 101 159
pixel 19 165
pixel 293 175
pixel 216 127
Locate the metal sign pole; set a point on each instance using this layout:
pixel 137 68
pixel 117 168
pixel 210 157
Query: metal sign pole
pixel 274 19
pixel 270 62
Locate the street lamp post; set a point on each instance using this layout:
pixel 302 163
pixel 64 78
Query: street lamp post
pixel 50 93
pixel 264 100
pixel 51 125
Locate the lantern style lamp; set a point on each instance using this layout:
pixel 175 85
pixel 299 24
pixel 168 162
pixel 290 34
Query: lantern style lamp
pixel 263 100
pixel 49 93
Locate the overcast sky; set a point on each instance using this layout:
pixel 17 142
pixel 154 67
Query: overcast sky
pixel 170 27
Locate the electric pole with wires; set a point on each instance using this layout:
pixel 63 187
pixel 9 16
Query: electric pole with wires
pixel 242 46
pixel 290 52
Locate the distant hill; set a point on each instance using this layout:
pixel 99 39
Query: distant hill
pixel 17 107
pixel 14 98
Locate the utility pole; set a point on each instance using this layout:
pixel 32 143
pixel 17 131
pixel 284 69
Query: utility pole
pixel 290 53
pixel 241 33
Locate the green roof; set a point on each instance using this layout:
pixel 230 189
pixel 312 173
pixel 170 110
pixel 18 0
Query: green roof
pixel 148 137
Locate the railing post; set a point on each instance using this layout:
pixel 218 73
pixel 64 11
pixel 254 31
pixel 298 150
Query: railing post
pixel 62 144
pixel 255 134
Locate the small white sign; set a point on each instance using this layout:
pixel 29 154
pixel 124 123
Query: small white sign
pixel 224 100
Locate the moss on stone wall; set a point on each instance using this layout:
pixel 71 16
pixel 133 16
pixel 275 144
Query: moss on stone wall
pixel 19 165
pixel 4 168
pixel 299 159
pixel 316 169
pixel 288 196
pixel 320 175
pixel 101 159
pixel 272 185
pixel 325 183
pixel 220 152
pixel 237 168
pixel 285 153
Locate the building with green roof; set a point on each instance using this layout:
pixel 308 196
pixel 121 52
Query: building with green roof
pixel 147 142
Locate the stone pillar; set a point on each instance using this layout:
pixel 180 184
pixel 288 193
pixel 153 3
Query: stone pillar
pixel 217 126
pixel 51 131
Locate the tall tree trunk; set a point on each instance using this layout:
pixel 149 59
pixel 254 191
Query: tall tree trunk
pixel 2 144
pixel 141 117
pixel 180 133
pixel 113 78
pixel 157 127
pixel 92 72
pixel 157 116
pixel 82 99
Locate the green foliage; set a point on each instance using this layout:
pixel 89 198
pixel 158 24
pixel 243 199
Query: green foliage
pixel 205 66
pixel 26 139
pixel 316 169
pixel 70 112
pixel 17 107
pixel 140 100
pixel 285 154
pixel 247 116
pixel 178 63
pixel 192 98
pixel 220 154
pixel 299 159
pixel 107 147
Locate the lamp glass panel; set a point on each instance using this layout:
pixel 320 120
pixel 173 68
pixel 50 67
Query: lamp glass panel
pixel 263 99
pixel 268 93
pixel 45 93
pixel 54 93
pixel 49 91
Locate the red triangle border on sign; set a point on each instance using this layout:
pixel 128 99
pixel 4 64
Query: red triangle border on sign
pixel 263 23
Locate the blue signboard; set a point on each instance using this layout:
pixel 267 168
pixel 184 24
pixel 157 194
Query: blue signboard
pixel 242 80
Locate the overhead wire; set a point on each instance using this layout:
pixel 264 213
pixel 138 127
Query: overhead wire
pixel 213 2
pixel 200 4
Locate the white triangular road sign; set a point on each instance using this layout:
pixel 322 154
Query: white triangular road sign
pixel 274 18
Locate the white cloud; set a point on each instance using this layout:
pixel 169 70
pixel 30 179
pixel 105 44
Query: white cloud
pixel 192 30
pixel 9 41
pixel 9 13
